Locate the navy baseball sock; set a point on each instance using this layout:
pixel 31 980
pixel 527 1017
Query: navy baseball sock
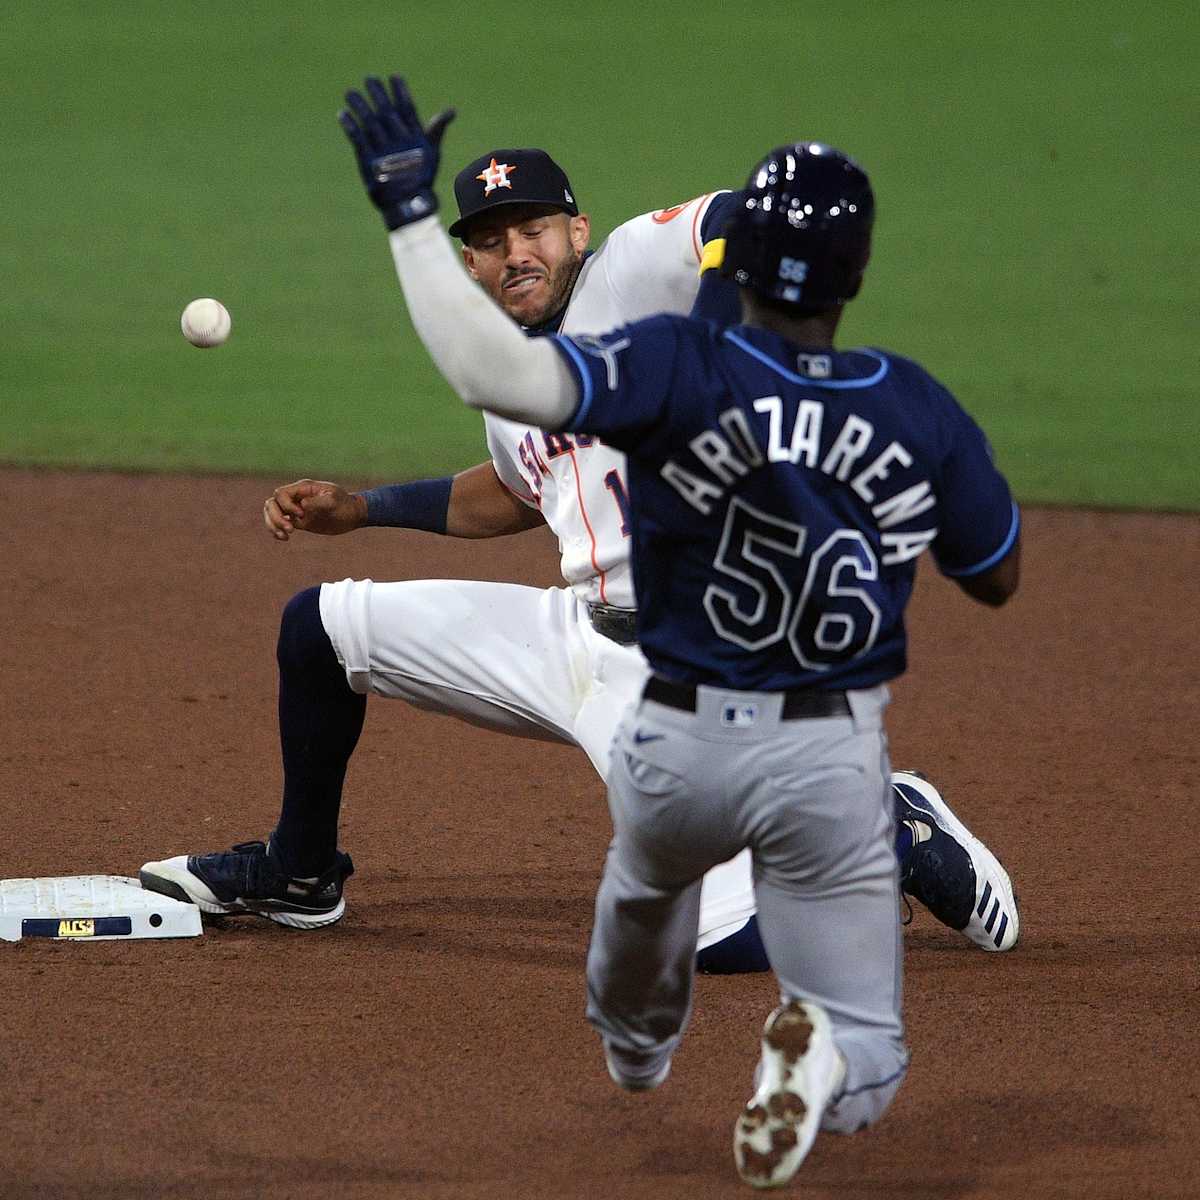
pixel 320 719
pixel 737 954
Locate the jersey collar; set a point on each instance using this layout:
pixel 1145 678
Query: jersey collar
pixel 860 368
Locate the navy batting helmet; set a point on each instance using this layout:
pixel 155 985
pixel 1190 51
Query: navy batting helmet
pixel 803 235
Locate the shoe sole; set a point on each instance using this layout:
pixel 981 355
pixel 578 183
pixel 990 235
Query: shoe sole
pixel 778 1126
pixel 995 922
pixel 183 885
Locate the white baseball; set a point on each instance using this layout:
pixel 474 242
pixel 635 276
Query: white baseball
pixel 205 323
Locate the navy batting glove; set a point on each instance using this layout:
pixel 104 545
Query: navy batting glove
pixel 397 158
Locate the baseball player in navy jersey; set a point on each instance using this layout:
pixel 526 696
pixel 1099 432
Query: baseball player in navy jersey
pixel 780 491
pixel 559 663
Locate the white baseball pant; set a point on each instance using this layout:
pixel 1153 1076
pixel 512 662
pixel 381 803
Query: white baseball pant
pixel 516 659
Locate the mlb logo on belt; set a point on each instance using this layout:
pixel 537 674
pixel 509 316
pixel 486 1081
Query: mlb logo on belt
pixel 739 716
pixel 495 175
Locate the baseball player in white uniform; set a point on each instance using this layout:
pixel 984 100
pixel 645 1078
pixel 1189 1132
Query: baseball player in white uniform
pixel 557 664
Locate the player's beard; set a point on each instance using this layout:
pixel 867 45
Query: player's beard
pixel 559 281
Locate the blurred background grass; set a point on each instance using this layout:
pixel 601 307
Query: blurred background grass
pixel 1035 167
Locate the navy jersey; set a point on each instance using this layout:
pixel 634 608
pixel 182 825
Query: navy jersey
pixel 779 499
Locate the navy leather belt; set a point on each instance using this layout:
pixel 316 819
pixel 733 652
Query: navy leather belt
pixel 796 705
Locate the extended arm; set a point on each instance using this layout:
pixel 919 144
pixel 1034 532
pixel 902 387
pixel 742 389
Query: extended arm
pixel 482 354
pixel 485 358
pixel 482 507
pixel 474 504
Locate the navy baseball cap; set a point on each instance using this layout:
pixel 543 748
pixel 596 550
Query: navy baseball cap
pixel 503 177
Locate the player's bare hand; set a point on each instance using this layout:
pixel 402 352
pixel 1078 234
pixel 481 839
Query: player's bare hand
pixel 312 506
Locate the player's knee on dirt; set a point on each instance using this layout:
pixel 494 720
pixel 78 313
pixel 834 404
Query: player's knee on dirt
pixel 740 953
pixel 875 1069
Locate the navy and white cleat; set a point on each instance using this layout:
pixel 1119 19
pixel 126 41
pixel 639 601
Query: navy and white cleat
pixel 951 871
pixel 247 879
pixel 799 1071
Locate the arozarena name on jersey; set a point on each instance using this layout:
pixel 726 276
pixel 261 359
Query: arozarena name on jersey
pixel 849 457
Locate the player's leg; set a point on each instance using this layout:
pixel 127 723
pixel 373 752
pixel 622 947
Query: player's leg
pixel 499 655
pixel 297 881
pixel 490 653
pixel 729 943
pixel 827 887
pixel 847 958
pixel 943 866
pixel 640 970
pixel 641 962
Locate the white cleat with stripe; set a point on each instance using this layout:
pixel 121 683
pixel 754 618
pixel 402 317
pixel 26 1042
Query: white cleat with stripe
pixel 951 871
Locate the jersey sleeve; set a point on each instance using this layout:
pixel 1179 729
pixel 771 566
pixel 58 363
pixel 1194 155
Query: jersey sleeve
pixel 720 208
pixel 624 380
pixel 652 262
pixel 979 519
pixel 718 299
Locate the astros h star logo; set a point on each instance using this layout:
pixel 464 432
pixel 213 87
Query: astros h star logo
pixel 495 175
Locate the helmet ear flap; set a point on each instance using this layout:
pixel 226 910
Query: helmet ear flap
pixel 746 248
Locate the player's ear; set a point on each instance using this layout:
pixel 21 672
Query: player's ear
pixel 469 262
pixel 580 232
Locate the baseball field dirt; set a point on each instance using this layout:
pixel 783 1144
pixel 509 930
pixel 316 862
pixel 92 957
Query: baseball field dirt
pixel 433 1044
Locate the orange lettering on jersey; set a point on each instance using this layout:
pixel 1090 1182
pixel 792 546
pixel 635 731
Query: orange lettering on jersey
pixel 668 214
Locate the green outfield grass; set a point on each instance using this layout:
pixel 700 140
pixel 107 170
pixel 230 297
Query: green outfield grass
pixel 1034 162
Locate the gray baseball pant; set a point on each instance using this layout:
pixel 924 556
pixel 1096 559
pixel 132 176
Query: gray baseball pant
pixel 811 798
